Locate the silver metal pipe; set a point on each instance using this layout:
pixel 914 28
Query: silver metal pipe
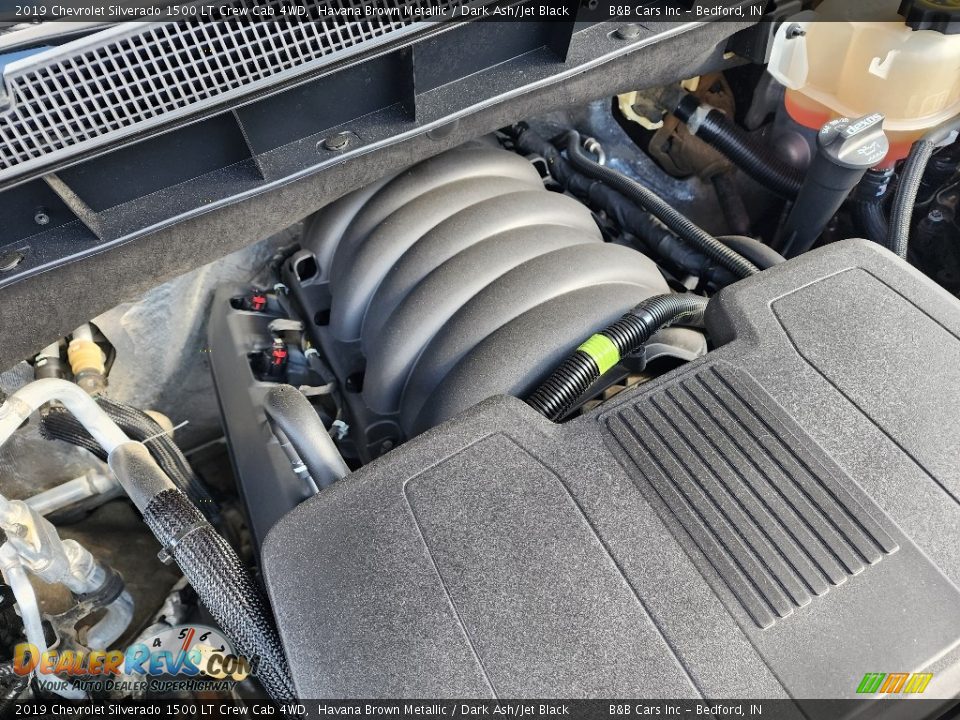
pixel 30 398
pixel 40 550
pixel 73 491
pixel 111 626
pixel 16 577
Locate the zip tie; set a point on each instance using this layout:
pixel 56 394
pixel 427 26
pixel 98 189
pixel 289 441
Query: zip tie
pixel 165 432
pixel 166 554
pixel 315 390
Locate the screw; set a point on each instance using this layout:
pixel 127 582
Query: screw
pixel 386 446
pixel 795 31
pixel 354 382
pixel 9 260
pixel 41 217
pixel 628 32
pixel 336 142
pixel 339 429
pixel 592 146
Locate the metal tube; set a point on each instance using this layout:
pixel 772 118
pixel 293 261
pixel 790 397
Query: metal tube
pixel 119 613
pixel 30 398
pixel 73 491
pixel 15 576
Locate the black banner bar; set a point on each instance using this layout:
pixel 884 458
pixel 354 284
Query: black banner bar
pixel 912 709
pixel 114 11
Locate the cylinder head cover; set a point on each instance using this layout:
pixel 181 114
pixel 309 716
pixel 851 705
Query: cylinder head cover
pixel 463 277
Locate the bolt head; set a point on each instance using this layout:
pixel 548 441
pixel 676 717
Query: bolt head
pixel 337 142
pixel 10 260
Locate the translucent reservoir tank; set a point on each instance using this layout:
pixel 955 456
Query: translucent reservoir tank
pixel 848 59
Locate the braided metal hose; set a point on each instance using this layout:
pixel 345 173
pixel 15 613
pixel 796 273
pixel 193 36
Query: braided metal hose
pixel 901 214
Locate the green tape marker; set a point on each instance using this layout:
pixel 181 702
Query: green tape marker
pixel 602 350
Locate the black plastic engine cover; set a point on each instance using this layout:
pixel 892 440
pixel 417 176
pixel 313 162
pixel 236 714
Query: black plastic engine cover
pixel 773 520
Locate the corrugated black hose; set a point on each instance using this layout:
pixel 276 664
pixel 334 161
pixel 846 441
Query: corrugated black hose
pixel 558 393
pixel 659 208
pixel 59 424
pixel 713 127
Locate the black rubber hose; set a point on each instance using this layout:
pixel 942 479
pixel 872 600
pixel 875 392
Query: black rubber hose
pixel 621 209
pixel 222 583
pixel 901 215
pixel 59 424
pixel 294 415
pixel 869 197
pixel 760 254
pixel 754 159
pixel 558 393
pixel 209 563
pixel 731 203
pixel 873 221
pixel 657 240
pixel 677 222
pixel 161 446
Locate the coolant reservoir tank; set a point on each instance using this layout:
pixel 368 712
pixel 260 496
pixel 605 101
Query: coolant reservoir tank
pixel 848 59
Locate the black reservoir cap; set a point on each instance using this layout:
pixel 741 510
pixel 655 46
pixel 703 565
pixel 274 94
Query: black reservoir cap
pixel 943 16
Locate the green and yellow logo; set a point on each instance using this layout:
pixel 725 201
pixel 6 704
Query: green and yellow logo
pixel 891 683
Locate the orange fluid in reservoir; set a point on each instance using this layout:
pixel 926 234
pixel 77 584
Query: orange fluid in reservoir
pixel 814 115
pixel 846 64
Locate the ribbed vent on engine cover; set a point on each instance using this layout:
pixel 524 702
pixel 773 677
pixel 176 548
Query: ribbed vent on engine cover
pixel 131 78
pixel 774 515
